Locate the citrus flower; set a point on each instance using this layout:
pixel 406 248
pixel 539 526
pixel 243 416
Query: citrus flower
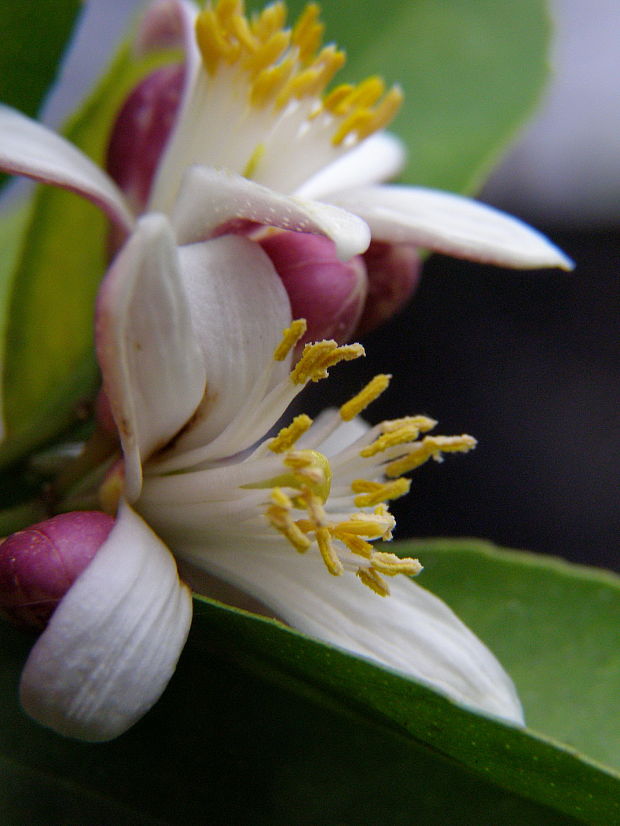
pixel 195 345
pixel 246 136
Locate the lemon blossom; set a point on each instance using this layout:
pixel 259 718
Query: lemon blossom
pixel 195 340
pixel 195 345
pixel 257 141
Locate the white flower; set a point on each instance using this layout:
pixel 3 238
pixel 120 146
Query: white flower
pixel 257 140
pixel 197 371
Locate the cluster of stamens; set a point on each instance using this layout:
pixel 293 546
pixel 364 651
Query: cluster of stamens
pixel 285 65
pixel 299 508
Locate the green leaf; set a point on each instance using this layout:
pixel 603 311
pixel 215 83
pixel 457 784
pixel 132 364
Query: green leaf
pixel 33 39
pixel 50 367
pixel 263 725
pixel 472 73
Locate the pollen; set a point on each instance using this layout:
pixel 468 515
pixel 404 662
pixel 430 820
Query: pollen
pixel 372 493
pixel 280 65
pixel 290 337
pixel 287 437
pixel 366 396
pixel 317 358
pixel 430 447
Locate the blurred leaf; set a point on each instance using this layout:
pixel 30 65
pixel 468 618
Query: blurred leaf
pixel 34 34
pixel 50 365
pixel 263 725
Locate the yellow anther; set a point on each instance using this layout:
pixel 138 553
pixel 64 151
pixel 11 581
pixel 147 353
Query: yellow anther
pixel 354 543
pixel 391 565
pixel 370 525
pixel 368 394
pixel 270 81
pixel 253 162
pixel 318 357
pixel 308 32
pixel 372 493
pixel 279 518
pixel 268 21
pixel 290 337
pixel 287 437
pixel 423 423
pixel 335 100
pixel 430 446
pixel 384 113
pixel 267 53
pixel 374 581
pixel 278 497
pixel 366 93
pixel 330 557
pixel 406 433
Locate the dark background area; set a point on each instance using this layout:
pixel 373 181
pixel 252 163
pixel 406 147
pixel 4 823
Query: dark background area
pixel 528 363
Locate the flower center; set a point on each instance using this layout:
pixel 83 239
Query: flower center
pixel 345 539
pixel 284 66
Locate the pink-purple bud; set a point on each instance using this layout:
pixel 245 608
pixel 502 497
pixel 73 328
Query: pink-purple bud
pixel 327 292
pixel 140 133
pixel 393 274
pixel 39 564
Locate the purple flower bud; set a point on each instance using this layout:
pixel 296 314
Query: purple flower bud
pixel 393 274
pixel 39 564
pixel 328 293
pixel 140 133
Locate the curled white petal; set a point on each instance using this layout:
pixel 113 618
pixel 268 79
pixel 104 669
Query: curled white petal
pixel 412 630
pixel 379 158
pixel 239 309
pixel 31 149
pixel 113 642
pixel 210 199
pixel 451 224
pixel 152 365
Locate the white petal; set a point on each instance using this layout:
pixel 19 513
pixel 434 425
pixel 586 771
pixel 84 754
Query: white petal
pixel 113 642
pixel 451 224
pixel 412 630
pixel 152 365
pixel 29 148
pixel 211 199
pixel 239 310
pixel 379 158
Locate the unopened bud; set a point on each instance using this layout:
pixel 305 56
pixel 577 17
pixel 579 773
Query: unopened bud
pixel 328 293
pixel 140 133
pixel 393 274
pixel 39 564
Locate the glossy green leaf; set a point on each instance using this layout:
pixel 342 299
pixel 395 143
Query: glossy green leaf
pixel 263 725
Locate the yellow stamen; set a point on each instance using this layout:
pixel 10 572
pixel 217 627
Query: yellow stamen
pixel 374 581
pixel 354 543
pixel 423 423
pixel 287 437
pixel 255 159
pixel 279 517
pixel 111 489
pixel 317 358
pixel 368 394
pixel 290 337
pixel 280 65
pixel 308 32
pixel 372 493
pixel 391 565
pixel 407 432
pixel 430 446
pixel 330 557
